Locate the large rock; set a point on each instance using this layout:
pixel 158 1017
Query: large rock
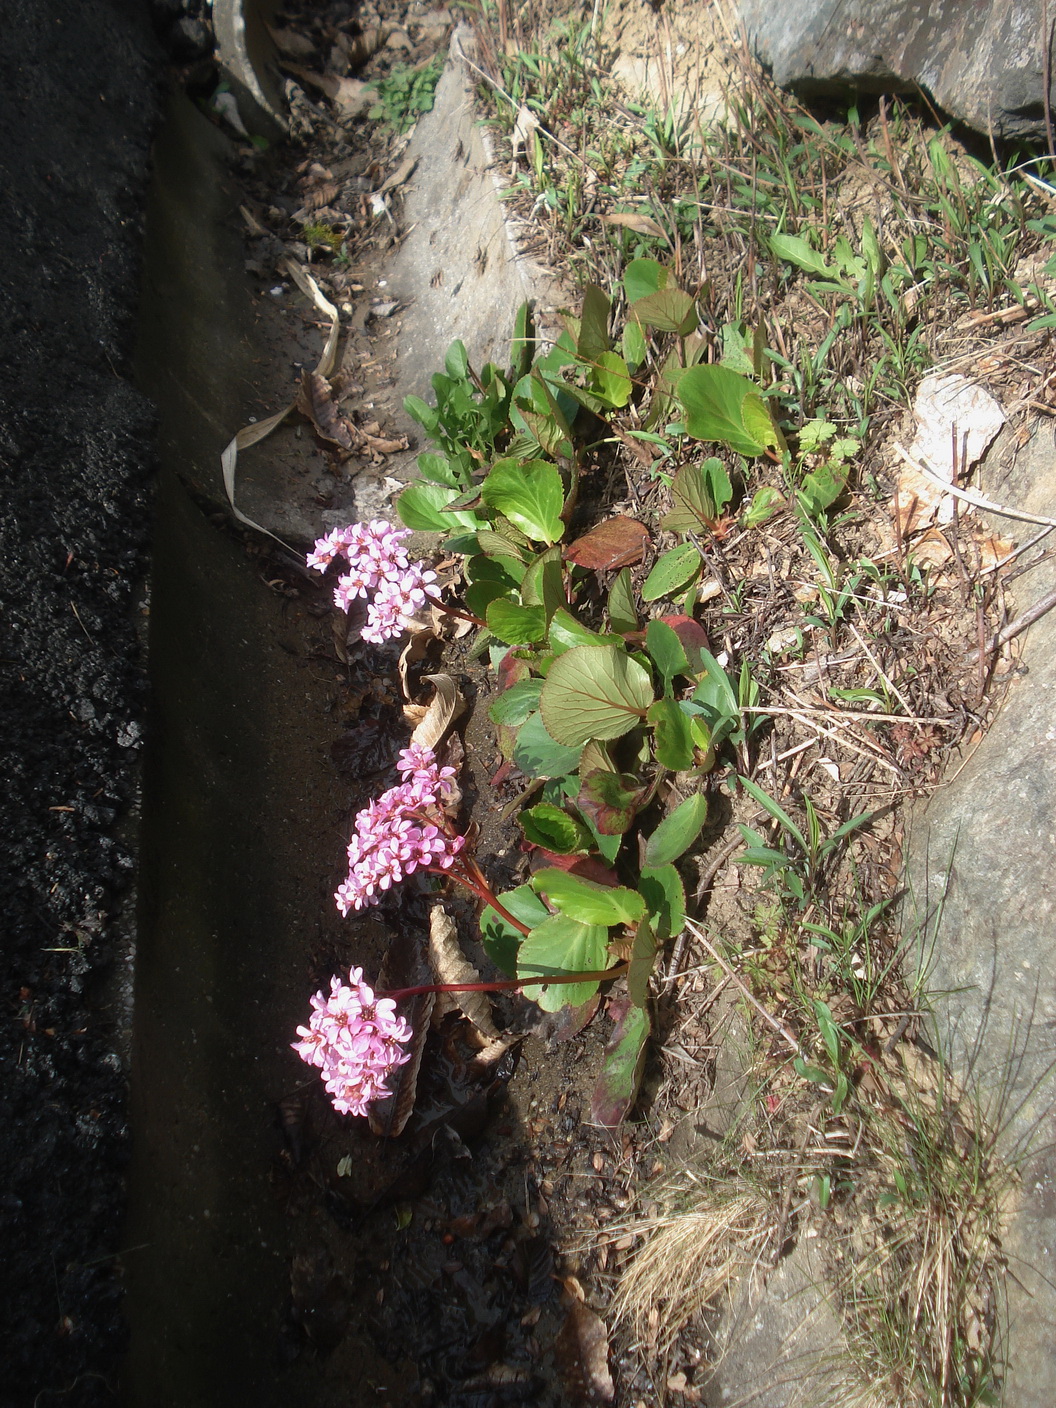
pixel 982 865
pixel 982 63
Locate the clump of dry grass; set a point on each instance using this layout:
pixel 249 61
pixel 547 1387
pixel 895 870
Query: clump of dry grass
pixel 693 1254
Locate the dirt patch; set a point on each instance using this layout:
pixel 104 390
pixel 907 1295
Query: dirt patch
pixel 77 104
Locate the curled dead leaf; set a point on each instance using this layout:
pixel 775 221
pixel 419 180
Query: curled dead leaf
pixel 446 705
pixel 452 966
pixel 417 648
pixel 630 220
pixel 316 403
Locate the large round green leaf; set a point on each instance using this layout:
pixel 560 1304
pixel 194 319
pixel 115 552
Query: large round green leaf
pixel 594 691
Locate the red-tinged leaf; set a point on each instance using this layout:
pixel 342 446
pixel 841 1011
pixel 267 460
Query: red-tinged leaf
pixel 582 1353
pixel 691 633
pixel 618 542
pixel 621 1074
pixel 512 670
pixel 586 867
pixel 610 800
pixel 572 1020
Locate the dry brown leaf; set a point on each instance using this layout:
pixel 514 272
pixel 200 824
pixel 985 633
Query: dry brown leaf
pixel 291 42
pixel 417 648
pixel 618 542
pixel 931 549
pixel 640 224
pixel 320 196
pixel 405 168
pixel 405 966
pixel 363 45
pixel 315 402
pixel 451 966
pixel 446 705
pixel 582 1353
pixel 992 551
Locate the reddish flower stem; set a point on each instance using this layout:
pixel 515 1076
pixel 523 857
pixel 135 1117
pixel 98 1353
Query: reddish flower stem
pixel 508 984
pixel 454 610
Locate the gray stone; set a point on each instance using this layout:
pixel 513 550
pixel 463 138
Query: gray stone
pixel 982 866
pixel 982 63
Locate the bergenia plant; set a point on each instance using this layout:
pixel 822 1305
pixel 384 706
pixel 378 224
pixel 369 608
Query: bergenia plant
pixel 378 570
pixel 356 1040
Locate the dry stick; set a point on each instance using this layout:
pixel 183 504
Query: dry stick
pixel 1034 613
pixel 970 496
pixel 1017 552
pixel 778 1026
pixel 1046 76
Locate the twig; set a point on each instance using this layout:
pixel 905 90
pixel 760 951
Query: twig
pixel 1032 614
pixel 971 496
pixel 1046 72
pixel 778 1026
pixel 1017 552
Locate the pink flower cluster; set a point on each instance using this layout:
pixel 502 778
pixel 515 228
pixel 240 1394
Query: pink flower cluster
pixel 355 1039
pixel 401 831
pixel 378 567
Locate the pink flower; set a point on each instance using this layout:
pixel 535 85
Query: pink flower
pixel 400 832
pixel 377 564
pixel 356 1040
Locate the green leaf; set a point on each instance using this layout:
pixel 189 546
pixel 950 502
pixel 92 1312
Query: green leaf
pixel 717 407
pixel 672 737
pixel 593 325
pixel 672 571
pixel 479 595
pixel 820 489
pixel 516 625
pixel 677 832
pixel 456 363
pixel 609 799
pixel 495 544
pixel 557 946
pixel 426 416
pixel 634 343
pixel 765 503
pixel 643 277
pixel 830 1034
pixel 795 250
pixel 775 810
pixel 530 494
pixel 643 957
pixel 538 755
pixel 700 493
pixel 665 899
pixel 438 469
pixel 544 583
pixel 588 901
pixel 612 380
pixel 667 651
pixel 552 828
pixel 594 691
pixel 622 614
pixel 669 310
pixel 500 938
pixel 621 1072
pixel 566 633
pixel 515 704
pixel 420 504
